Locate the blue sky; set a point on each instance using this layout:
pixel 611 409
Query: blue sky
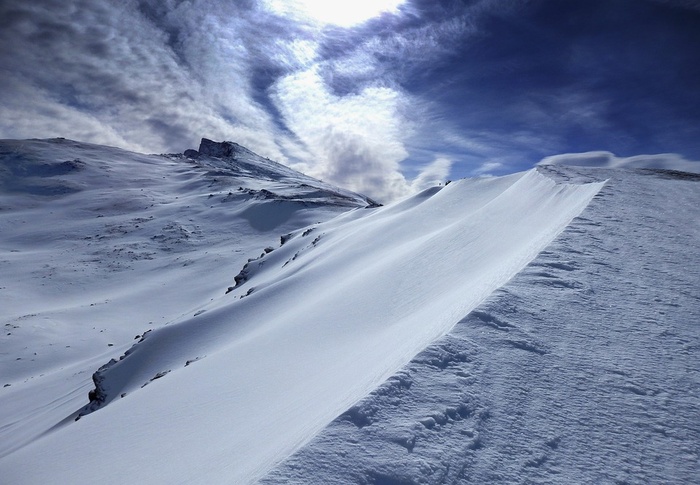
pixel 425 91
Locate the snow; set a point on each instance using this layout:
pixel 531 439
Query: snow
pixel 98 245
pixel 603 159
pixel 335 339
pixel 314 326
pixel 581 369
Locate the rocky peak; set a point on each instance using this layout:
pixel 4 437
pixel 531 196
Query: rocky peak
pixel 224 149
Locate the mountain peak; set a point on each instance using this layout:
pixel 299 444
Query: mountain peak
pixel 222 149
pixel 234 159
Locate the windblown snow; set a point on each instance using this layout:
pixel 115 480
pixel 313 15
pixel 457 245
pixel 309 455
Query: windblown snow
pixel 234 307
pixel 581 369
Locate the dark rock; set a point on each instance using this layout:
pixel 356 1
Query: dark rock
pixel 191 153
pixel 224 149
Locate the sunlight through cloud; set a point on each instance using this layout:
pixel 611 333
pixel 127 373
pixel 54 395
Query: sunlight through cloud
pixel 341 13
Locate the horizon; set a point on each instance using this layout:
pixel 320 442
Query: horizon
pixel 384 101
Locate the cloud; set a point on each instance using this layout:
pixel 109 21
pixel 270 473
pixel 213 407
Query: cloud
pixel 603 159
pixel 155 76
pixel 49 117
pixel 487 168
pixel 354 140
pixel 344 14
pixel 150 79
pixel 436 173
pixel 481 82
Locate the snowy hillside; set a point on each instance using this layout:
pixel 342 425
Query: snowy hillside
pixel 95 235
pixel 235 309
pixel 584 368
pixel 98 245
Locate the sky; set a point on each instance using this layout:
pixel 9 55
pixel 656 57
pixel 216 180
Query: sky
pixel 382 97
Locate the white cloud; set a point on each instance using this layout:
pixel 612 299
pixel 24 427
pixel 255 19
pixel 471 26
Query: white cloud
pixel 344 13
pixel 356 141
pixel 156 76
pixel 487 167
pixel 113 73
pixel 49 118
pixel 295 53
pixel 436 173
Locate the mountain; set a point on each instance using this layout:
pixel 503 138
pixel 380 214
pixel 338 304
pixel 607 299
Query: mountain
pixel 216 317
pixel 99 244
pixel 87 229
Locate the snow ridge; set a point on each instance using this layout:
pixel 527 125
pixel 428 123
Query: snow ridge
pixel 328 316
pixel 98 244
pixel 226 384
pixel 581 369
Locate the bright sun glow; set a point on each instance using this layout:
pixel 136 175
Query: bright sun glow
pixel 344 13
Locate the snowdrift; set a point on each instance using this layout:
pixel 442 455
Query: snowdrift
pixel 225 392
pixel 583 368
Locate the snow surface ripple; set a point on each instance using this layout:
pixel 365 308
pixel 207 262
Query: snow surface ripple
pixel 582 369
pixel 98 244
pixel 317 324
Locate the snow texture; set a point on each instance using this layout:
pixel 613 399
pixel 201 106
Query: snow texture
pixel 221 318
pixel 582 369
pixel 603 159
pixel 99 245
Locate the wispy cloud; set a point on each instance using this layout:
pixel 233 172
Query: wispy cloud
pixel 491 85
pixel 155 86
pixel 355 140
pixel 487 168
pixel 435 173
pixel 156 76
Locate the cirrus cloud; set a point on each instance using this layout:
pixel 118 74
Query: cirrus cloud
pixel 492 86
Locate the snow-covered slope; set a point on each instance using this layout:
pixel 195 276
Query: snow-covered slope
pixel 584 368
pixel 234 385
pixel 98 245
pixel 82 226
